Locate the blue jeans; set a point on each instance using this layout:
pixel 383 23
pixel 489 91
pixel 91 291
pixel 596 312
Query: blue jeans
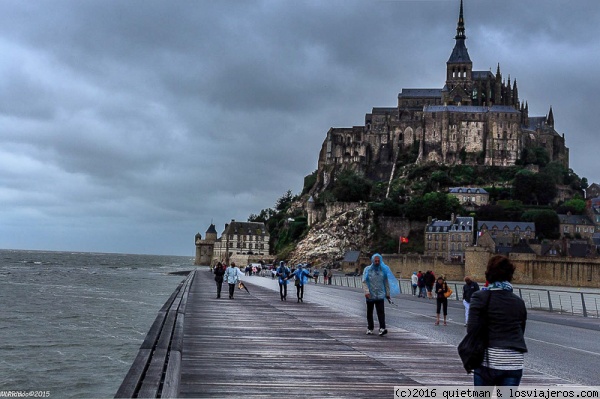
pixel 485 376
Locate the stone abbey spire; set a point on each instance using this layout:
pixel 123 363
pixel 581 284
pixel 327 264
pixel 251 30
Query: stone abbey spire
pixel 459 68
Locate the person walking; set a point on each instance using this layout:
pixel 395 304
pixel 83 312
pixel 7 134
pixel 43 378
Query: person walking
pixel 441 301
pixel 232 277
pixel 283 272
pixel 301 276
pixel 378 284
pixel 429 281
pixel 414 282
pixel 219 272
pixel 325 273
pixel 469 289
pixel 421 284
pixel 505 316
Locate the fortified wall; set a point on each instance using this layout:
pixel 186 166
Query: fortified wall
pixel 403 266
pixel 539 270
pixel 530 268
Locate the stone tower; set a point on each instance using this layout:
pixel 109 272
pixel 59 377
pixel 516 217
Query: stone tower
pixel 205 248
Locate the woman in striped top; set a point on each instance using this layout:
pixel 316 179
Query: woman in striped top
pixel 505 316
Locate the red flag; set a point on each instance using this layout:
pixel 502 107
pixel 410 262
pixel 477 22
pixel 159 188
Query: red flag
pixel 404 240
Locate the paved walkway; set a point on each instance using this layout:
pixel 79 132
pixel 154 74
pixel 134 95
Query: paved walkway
pixel 258 346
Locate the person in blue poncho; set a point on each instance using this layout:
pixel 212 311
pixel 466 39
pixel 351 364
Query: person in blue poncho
pixel 301 276
pixel 378 284
pixel 283 272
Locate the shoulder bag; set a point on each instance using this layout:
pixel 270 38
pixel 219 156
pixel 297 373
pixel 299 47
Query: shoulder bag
pixel 472 348
pixel 448 292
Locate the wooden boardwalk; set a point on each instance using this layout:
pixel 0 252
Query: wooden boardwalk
pixel 257 346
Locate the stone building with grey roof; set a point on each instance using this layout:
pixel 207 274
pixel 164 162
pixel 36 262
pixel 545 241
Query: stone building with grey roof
pixel 470 197
pixel 241 242
pixel 449 238
pixel 475 118
pixel 576 226
pixel 505 237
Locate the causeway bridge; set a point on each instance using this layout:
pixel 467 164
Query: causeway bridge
pixel 256 345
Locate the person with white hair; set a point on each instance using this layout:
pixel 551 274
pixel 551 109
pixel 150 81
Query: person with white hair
pixel 232 277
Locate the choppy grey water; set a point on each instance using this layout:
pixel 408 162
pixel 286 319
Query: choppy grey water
pixel 72 323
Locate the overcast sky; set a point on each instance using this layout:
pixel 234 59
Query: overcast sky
pixel 129 126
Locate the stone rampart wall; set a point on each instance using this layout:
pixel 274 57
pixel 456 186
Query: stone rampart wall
pixel 404 265
pixel 539 270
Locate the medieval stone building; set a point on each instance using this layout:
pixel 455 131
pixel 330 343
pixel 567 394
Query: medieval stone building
pixel 476 118
pixel 241 242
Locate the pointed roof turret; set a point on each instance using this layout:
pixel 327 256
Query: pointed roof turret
pixel 211 229
pixel 460 53
pixel 550 119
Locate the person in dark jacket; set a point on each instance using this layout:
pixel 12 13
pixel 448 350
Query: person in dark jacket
pixel 283 272
pixel 505 316
pixel 219 272
pixel 469 289
pixel 429 282
pixel 441 301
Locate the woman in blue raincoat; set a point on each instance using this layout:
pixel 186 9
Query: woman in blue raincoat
pixel 301 276
pixel 378 284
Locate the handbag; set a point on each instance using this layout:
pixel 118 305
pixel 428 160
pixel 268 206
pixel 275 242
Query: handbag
pixel 472 348
pixel 448 293
pixel 297 282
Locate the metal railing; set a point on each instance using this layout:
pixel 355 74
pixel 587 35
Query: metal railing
pixel 586 304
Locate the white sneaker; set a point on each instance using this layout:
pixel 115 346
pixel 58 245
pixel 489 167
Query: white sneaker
pixel 382 331
pixel 369 332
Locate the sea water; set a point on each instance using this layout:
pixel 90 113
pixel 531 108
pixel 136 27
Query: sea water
pixel 71 323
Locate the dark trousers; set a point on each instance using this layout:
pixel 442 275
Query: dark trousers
pixel 300 291
pixel 441 302
pixel 231 290
pixel 485 376
pixel 379 306
pixel 283 290
pixel 219 285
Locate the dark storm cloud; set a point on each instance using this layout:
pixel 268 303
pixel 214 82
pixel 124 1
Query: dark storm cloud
pixel 130 125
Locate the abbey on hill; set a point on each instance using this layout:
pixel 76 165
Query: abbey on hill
pixel 476 118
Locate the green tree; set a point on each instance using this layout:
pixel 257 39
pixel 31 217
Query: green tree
pixel 309 182
pixel 491 212
pixel 576 206
pixel 284 201
pixel 532 188
pixel 351 187
pixel 435 204
pixel 546 222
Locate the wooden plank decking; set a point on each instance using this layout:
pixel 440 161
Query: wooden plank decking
pixel 258 346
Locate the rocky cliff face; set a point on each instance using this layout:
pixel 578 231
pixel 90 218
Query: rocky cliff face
pixel 329 240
